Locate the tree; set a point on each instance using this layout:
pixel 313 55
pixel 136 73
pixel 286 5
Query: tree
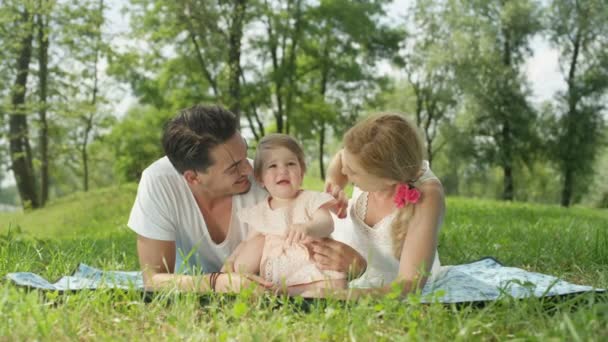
pixel 343 45
pixel 20 149
pixel 579 29
pixel 204 34
pixel 489 43
pixel 42 22
pixel 429 70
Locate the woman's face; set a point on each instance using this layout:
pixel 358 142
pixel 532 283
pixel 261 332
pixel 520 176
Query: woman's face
pixel 364 180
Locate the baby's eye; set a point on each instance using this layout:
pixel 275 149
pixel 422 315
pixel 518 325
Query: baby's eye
pixel 272 166
pixel 291 163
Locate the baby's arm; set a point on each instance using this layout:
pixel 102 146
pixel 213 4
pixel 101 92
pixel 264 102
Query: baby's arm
pixel 321 225
pixel 247 256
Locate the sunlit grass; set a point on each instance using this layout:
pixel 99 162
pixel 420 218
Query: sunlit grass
pixel 90 228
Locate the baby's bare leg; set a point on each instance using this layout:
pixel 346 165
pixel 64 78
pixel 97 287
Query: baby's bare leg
pixel 317 286
pixel 247 256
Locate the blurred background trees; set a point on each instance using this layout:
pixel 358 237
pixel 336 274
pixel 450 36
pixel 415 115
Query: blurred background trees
pixel 456 68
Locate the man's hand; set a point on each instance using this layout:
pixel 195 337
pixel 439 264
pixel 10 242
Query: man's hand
pixel 235 282
pixel 333 255
pixel 340 208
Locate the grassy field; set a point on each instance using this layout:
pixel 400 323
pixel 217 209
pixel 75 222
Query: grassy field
pixel 90 228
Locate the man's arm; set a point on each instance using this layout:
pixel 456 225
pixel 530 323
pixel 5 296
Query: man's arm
pixel 157 260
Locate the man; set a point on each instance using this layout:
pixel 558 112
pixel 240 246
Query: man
pixel 186 205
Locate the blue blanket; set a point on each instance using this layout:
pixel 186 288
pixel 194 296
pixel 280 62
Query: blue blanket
pixel 483 280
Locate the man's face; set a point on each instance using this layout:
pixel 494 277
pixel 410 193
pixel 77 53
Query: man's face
pixel 230 170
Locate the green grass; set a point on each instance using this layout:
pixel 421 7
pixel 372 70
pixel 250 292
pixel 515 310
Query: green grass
pixel 571 243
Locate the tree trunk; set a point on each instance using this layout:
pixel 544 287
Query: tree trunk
pixel 89 119
pixel 251 113
pixel 567 187
pixel 21 156
pixel 291 66
pixel 569 159
pixel 43 48
pixel 234 57
pixel 322 150
pixel 507 153
pixel 323 90
pixel 278 81
pixel 507 162
pixel 429 151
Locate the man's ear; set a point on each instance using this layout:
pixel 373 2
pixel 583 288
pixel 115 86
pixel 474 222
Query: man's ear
pixel 191 177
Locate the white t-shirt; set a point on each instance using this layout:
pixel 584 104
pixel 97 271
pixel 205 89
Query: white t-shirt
pixel 165 209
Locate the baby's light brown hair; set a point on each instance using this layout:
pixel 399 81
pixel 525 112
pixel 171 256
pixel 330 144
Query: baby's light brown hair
pixel 272 141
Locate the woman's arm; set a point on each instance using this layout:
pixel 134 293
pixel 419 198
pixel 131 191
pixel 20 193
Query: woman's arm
pixel 335 175
pixel 418 251
pixel 420 245
pixel 335 182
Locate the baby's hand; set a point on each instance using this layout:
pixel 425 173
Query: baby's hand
pixel 297 233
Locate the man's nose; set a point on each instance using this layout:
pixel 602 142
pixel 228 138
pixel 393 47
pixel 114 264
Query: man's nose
pixel 246 168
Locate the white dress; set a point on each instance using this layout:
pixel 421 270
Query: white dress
pixel 375 243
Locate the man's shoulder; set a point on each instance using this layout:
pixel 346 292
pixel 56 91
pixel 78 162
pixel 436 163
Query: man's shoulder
pixel 161 167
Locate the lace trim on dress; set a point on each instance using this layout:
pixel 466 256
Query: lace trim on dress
pixel 361 206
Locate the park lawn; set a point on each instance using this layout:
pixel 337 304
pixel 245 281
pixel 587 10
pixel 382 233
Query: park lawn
pixel 91 228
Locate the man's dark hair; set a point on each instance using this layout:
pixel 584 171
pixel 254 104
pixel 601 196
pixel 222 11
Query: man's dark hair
pixel 193 132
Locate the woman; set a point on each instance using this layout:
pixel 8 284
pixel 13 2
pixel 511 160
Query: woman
pixel 397 207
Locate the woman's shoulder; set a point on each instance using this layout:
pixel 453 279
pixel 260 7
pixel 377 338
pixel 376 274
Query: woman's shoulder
pixel 427 174
pixel 432 192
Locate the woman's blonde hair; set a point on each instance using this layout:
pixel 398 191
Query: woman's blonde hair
pixel 272 141
pixel 388 146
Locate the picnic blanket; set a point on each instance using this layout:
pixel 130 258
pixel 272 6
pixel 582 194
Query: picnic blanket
pixel 479 281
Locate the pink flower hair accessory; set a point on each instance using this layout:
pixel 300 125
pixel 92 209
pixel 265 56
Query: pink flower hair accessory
pixel 406 194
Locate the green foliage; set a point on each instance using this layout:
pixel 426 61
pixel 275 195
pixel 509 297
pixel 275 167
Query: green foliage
pixel 136 141
pixel 9 195
pixel 310 68
pixel 579 31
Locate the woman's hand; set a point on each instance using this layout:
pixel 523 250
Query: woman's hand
pixel 340 208
pixel 333 255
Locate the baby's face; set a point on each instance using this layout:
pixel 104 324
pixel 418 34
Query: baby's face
pixel 281 173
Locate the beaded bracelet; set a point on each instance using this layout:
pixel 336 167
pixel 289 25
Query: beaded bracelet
pixel 213 279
